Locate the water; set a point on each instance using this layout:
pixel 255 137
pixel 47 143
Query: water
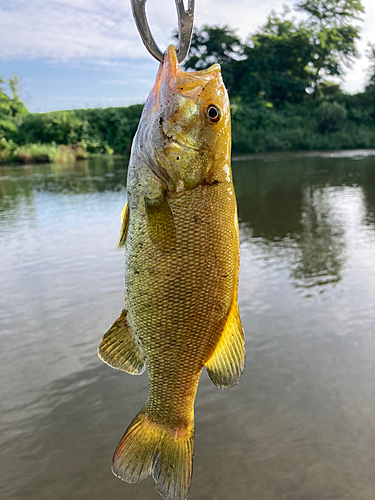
pixel 301 423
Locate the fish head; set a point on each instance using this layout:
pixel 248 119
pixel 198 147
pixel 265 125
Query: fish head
pixel 185 125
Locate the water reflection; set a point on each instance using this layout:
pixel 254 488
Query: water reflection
pixel 299 426
pixel 369 195
pixel 289 205
pixel 19 184
pixel 320 245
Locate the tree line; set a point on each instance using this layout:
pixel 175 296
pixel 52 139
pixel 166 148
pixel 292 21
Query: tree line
pixel 61 135
pixel 283 82
pixel 286 60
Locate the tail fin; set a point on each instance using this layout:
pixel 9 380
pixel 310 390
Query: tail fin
pixel 151 448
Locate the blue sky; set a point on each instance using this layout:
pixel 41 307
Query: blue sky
pixel 87 53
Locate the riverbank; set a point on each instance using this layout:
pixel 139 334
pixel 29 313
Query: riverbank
pixel 345 122
pixel 42 153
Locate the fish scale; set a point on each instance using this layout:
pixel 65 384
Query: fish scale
pixel 191 268
pixel 180 234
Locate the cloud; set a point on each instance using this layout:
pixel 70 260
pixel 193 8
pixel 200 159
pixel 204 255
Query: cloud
pixel 65 29
pixel 99 31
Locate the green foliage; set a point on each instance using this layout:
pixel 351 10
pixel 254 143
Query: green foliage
pixel 96 130
pixel 276 65
pixel 111 128
pixel 45 153
pixel 62 127
pixel 333 36
pixel 371 71
pixel 259 128
pixel 286 59
pixel 93 130
pixel 7 148
pixel 332 116
pixel 278 82
pixel 215 44
pixel 11 105
pixel 328 90
pixel 273 64
pixel 11 108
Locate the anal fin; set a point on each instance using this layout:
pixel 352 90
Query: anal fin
pixel 118 348
pixel 125 216
pixel 227 363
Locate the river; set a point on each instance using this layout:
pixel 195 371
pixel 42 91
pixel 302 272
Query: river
pixel 301 423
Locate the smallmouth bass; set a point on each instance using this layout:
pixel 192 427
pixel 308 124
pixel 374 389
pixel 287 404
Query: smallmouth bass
pixel 180 234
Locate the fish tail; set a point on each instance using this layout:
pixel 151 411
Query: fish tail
pixel 148 447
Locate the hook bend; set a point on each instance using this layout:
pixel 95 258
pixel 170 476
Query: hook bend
pixel 185 28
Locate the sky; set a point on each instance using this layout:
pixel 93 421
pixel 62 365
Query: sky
pixel 86 53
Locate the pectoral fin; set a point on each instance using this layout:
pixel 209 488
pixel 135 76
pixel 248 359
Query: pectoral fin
pixel 118 348
pixel 124 227
pixel 160 223
pixel 227 363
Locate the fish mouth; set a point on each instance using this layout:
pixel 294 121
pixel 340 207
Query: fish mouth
pixel 172 74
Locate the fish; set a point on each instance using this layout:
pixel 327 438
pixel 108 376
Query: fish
pixel 181 239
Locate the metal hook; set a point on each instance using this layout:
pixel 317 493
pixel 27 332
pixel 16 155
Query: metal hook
pixel 185 28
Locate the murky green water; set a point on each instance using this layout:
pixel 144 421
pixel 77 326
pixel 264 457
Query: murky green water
pixel 299 426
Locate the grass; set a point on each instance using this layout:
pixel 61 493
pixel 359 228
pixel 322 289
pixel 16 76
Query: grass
pixel 42 153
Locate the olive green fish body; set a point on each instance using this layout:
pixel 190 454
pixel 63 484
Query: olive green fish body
pixel 180 234
pixel 179 292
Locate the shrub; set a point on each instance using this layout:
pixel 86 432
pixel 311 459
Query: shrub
pixel 45 153
pixel 7 148
pixel 331 117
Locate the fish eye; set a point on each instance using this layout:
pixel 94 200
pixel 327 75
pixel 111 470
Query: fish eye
pixel 213 113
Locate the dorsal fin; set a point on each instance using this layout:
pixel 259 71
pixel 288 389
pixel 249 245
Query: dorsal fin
pixel 119 349
pixel 227 363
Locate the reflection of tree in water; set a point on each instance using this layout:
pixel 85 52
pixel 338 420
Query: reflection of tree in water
pixel 320 245
pixel 16 201
pixel 369 191
pixel 19 184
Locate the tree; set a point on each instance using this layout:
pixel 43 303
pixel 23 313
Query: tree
pixel 11 108
pixel 369 95
pixel 371 71
pixel 272 65
pixel 286 59
pixel 277 61
pixel 333 35
pixel 215 44
pixel 10 98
